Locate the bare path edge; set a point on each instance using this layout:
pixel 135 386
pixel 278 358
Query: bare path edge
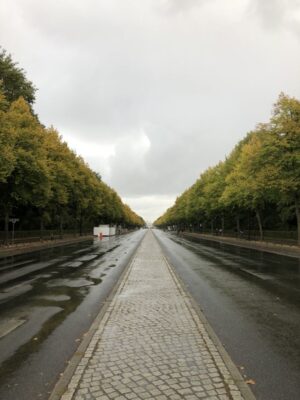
pixel 235 373
pixel 62 384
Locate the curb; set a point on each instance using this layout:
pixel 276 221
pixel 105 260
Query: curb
pixel 269 247
pixel 41 246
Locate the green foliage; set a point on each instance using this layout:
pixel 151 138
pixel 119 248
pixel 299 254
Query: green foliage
pixel 26 180
pixel 283 148
pixel 39 175
pixel 40 172
pixel 7 140
pixel 13 81
pixel 262 171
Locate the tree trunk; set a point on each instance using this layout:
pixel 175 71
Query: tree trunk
pixel 41 227
pixel 261 235
pixel 222 225
pixel 249 225
pixel 238 228
pixel 80 225
pixel 297 206
pixel 6 226
pixel 212 226
pixel 61 226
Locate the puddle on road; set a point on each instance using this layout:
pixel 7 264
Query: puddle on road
pixel 75 283
pixel 259 275
pixel 55 298
pixel 74 264
pixel 79 251
pixel 44 276
pixel 14 264
pixel 14 291
pixel 60 289
pixel 7 326
pixel 88 257
pixel 24 333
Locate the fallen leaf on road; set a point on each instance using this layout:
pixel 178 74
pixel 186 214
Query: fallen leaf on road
pixel 250 382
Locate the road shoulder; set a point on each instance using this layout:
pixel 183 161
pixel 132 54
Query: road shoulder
pixel 7 251
pixel 281 249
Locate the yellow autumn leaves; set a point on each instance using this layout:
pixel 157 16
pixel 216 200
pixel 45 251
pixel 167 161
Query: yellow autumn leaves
pixel 260 177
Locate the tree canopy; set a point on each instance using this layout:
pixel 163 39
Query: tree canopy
pixel 13 81
pixel 41 178
pixel 260 177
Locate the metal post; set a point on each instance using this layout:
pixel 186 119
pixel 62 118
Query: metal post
pixel 13 221
pixel 13 232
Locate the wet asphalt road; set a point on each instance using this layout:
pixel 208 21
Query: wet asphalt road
pixel 252 301
pixel 48 300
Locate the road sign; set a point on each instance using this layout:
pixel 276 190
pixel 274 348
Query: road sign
pixel 14 220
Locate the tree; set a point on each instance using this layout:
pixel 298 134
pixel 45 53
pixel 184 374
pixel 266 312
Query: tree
pixel 282 150
pixel 262 174
pixel 7 140
pixel 13 81
pixel 60 164
pixel 213 182
pixel 28 180
pixel 39 174
pixel 247 184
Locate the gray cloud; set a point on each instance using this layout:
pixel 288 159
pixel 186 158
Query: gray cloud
pixel 174 6
pixel 271 12
pixel 152 93
pixel 277 14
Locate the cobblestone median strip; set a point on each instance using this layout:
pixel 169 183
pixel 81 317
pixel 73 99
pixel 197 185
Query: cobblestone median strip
pixel 152 344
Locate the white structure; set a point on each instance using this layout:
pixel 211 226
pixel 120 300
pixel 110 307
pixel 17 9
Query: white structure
pixel 105 230
pixel 112 230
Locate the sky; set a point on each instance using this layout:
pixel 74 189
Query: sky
pixel 153 92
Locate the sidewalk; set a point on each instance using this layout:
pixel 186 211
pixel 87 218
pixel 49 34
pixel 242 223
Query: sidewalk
pixel 270 247
pixel 151 343
pixel 22 248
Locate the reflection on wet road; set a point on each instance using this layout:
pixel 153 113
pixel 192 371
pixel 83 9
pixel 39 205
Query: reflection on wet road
pixel 252 300
pixel 48 299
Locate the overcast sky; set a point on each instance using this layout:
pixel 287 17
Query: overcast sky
pixel 152 92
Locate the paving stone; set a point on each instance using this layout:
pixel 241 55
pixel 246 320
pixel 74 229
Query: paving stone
pixel 151 343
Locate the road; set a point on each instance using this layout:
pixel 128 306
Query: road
pixel 152 344
pixel 48 301
pixel 252 301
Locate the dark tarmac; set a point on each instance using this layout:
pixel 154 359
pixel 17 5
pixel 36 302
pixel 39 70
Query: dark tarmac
pixel 48 300
pixel 252 301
